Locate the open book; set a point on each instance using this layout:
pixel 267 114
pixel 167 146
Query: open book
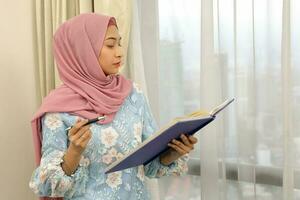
pixel 158 142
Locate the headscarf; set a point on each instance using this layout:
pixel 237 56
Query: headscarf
pixel 86 90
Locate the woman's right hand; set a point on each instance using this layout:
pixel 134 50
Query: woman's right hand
pixel 79 136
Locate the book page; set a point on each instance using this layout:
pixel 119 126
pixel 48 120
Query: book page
pixel 220 107
pixel 200 113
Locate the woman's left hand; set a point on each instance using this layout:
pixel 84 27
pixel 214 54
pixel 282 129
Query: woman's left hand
pixel 185 146
pixel 178 149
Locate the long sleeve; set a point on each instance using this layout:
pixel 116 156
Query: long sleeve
pixel 49 179
pixel 155 169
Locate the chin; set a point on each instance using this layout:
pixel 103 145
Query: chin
pixel 113 73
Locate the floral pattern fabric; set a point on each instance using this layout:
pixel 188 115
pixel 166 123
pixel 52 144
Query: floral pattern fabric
pixel 132 124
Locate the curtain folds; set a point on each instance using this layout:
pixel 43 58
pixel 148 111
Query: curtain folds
pixel 249 50
pixel 48 16
pixel 188 54
pixel 287 129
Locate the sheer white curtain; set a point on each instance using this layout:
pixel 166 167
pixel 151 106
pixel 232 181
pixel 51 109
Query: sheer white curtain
pixel 247 49
pixel 136 70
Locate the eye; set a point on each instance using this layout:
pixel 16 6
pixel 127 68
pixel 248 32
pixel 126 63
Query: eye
pixel 110 46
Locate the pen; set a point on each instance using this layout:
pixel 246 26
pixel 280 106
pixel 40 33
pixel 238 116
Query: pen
pixel 90 121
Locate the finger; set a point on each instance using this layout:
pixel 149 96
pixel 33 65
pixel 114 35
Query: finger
pixel 84 136
pixel 177 148
pixel 79 133
pixel 76 127
pixel 87 138
pixel 82 140
pixel 193 139
pixel 181 145
pixel 186 141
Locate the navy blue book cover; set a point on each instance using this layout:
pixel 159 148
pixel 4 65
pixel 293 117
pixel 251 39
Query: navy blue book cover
pixel 154 146
pixel 158 143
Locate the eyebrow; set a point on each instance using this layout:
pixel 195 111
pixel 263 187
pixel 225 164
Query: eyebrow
pixel 112 38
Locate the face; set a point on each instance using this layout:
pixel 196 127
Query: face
pixel 111 54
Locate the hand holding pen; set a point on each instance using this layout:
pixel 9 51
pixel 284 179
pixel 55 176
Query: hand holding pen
pixel 79 134
pixel 89 121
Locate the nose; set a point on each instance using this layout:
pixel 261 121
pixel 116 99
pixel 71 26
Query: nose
pixel 119 51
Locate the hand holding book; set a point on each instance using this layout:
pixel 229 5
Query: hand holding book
pixel 166 140
pixel 178 149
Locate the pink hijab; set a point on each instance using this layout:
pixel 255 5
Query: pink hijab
pixel 86 91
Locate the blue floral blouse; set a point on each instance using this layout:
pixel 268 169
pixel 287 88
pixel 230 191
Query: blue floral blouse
pixel 132 124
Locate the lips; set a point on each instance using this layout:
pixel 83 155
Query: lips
pixel 118 64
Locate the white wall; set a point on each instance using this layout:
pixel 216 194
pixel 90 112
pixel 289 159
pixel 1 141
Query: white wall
pixel 17 99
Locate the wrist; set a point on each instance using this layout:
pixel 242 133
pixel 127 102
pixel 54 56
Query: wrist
pixel 72 151
pixel 163 160
pixel 168 157
pixel 70 161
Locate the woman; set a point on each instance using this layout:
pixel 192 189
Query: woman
pixel 71 163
